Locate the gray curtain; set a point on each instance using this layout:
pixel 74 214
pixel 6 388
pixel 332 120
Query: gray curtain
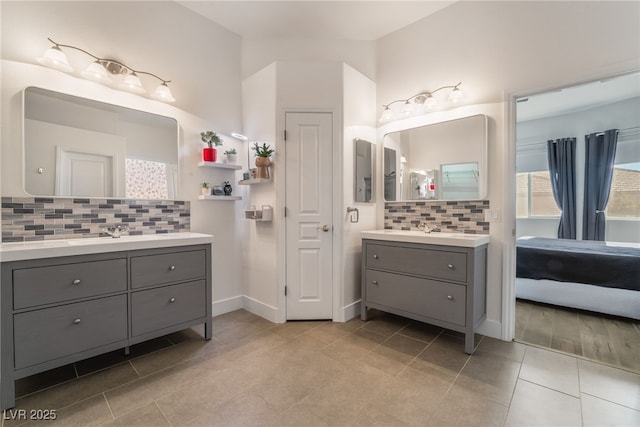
pixel 599 160
pixel 561 154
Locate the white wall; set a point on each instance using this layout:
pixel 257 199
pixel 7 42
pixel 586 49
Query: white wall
pixel 359 106
pixel 499 50
pixel 202 59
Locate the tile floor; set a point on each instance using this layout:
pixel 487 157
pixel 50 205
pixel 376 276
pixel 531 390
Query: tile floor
pixel 388 371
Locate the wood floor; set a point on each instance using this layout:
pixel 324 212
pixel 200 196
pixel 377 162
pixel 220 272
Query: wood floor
pixel 607 339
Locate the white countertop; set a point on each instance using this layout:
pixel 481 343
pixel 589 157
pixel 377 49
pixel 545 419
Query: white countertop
pixel 433 238
pixel 19 251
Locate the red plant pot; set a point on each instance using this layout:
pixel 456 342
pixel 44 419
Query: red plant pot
pixel 209 154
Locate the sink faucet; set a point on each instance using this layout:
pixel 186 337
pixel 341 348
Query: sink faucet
pixel 115 232
pixel 428 227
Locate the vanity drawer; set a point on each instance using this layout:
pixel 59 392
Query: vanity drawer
pixel 165 306
pixel 437 300
pixel 66 282
pixel 439 264
pixel 47 334
pixel 171 267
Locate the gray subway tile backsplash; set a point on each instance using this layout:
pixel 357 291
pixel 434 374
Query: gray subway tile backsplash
pixel 450 216
pixel 44 218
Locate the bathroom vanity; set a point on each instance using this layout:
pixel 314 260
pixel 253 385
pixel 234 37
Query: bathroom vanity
pixel 67 300
pixel 436 278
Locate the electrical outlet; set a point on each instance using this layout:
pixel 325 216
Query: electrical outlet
pixel 487 215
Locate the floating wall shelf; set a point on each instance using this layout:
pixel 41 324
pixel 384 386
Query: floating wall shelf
pixel 219 165
pixel 254 181
pixel 220 198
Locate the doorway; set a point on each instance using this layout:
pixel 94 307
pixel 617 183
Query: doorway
pixel 309 215
pixel 574 316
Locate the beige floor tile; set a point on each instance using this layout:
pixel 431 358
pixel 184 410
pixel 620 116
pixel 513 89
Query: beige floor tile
pixel 68 393
pixel 466 408
pixel 535 405
pixel 245 409
pixel 420 331
pixel 491 376
pixel 445 352
pixel 394 354
pixel 93 411
pixel 507 349
pixel 147 416
pixel 385 324
pixel 241 330
pixel 299 416
pixel 292 329
pixel 354 346
pixel 143 391
pixel 552 370
pixel 45 379
pixel 597 412
pixel 614 385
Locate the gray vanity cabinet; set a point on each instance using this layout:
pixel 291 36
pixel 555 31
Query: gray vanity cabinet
pixel 440 285
pixel 60 310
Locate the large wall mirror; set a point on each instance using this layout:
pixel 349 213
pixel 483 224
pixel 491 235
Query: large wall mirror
pixel 442 161
pixel 77 147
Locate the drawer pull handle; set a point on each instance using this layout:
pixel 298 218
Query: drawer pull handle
pixel 76 321
pixel 172 300
pixel 450 266
pixel 173 267
pixel 375 282
pixel 76 282
pixel 449 297
pixel 375 256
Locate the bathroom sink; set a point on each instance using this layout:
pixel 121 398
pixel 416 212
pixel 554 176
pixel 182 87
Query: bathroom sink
pixel 433 238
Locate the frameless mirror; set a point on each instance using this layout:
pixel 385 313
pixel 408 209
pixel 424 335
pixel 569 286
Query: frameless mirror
pixel 363 168
pixel 442 161
pixel 80 147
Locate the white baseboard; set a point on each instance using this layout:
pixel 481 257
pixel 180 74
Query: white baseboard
pixel 260 309
pixel 491 328
pixel 227 305
pixel 350 311
pixel 244 302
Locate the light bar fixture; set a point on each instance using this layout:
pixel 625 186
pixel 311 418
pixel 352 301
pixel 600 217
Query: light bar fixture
pixel 102 70
pixel 417 102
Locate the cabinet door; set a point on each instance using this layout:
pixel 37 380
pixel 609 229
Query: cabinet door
pixel 162 307
pixel 44 335
pixel 428 298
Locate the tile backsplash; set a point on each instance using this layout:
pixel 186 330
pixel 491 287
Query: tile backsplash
pixel 453 216
pixel 47 218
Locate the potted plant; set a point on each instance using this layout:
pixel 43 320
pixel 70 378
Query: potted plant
pixel 262 159
pixel 230 155
pixel 209 153
pixel 205 189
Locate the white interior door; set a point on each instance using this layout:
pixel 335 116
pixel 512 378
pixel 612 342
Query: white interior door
pixel 309 230
pixel 84 174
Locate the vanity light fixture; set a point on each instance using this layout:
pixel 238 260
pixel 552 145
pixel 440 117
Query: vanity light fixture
pixel 416 102
pixel 100 70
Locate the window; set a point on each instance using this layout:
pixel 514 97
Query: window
pixel 624 199
pixel 534 196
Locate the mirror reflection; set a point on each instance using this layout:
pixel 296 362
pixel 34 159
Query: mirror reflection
pixel 442 161
pixel 80 147
pixel 363 170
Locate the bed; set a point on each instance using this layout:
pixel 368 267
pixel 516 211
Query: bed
pixel 590 275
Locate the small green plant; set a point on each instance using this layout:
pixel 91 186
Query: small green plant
pixel 264 151
pixel 231 151
pixel 205 185
pixel 210 138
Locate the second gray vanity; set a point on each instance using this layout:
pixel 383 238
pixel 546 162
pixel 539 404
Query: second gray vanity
pixel 437 278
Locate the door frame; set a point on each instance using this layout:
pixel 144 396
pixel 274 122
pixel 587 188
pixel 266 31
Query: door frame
pixel 336 214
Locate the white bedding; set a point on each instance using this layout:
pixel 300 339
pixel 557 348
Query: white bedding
pixel 619 302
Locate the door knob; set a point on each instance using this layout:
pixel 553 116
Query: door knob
pixel 324 228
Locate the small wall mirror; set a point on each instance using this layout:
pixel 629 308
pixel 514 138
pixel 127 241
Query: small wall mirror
pixel 442 161
pixel 80 147
pixel 363 167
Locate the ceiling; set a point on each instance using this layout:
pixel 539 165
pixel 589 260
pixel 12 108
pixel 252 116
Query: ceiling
pixel 338 20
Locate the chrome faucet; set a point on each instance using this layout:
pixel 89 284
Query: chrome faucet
pixel 115 232
pixel 428 229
